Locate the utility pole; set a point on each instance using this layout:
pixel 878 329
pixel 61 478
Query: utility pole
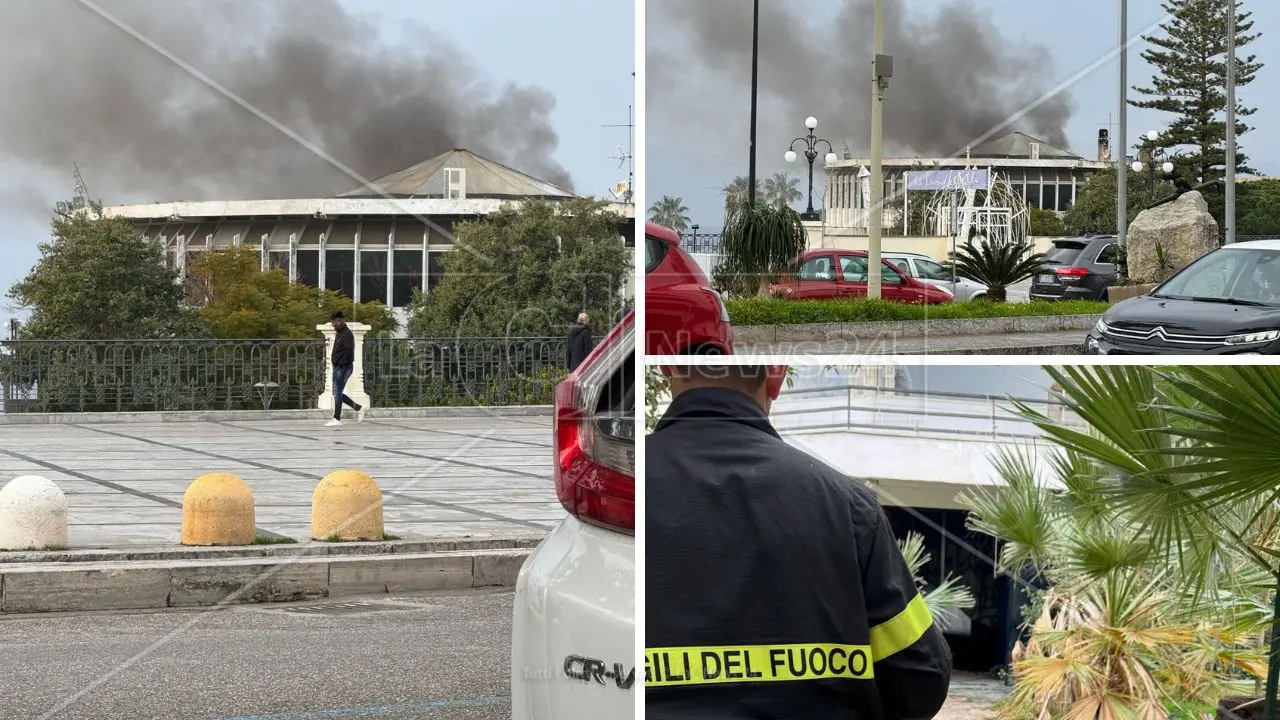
pixel 1122 157
pixel 1229 216
pixel 881 70
pixel 755 79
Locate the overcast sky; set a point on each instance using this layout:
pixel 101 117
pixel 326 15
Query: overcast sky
pixel 698 92
pixel 581 52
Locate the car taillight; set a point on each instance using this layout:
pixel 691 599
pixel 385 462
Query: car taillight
pixel 595 448
pixel 1072 272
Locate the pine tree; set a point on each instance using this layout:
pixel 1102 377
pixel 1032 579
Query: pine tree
pixel 1190 84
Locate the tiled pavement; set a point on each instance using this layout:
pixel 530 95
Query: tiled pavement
pixel 440 477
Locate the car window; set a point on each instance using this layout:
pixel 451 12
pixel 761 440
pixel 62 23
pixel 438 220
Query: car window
pixel 1252 275
pixel 818 268
pixel 902 264
pixel 853 268
pixel 931 270
pixel 1107 256
pixel 654 251
pixel 1064 252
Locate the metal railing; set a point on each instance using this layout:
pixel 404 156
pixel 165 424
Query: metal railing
pixel 913 412
pixel 150 375
pixel 466 371
pixel 701 242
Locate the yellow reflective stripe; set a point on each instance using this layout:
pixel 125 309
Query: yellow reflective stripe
pixel 900 631
pixel 755 663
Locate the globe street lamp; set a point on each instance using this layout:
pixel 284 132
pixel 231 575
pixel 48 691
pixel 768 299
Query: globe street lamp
pixel 811 142
pixel 1152 157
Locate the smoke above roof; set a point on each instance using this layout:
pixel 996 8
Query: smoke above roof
pixel 956 77
pixel 79 88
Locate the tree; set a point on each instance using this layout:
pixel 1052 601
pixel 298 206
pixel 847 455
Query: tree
pixel 760 243
pixel 781 189
pixel 735 193
pixel 99 279
pixel 1045 223
pixel 670 212
pixel 997 264
pixel 1191 68
pixel 527 272
pixel 1258 208
pixel 1094 212
pixel 238 300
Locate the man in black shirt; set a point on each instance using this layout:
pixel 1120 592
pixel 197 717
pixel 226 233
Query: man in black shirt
pixel 343 359
pixel 774 585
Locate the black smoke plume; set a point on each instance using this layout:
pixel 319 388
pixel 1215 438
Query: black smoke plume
pixel 75 87
pixel 956 76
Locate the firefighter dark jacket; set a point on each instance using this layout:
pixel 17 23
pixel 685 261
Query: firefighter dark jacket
pixel 774 587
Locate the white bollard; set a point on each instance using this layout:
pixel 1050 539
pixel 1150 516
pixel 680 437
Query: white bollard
pixel 33 514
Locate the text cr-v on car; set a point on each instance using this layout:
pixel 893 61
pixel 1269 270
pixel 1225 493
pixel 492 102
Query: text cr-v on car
pixel 573 635
pixel 1225 303
pixel 683 314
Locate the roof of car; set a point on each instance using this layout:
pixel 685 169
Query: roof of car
pixel 665 234
pixel 895 253
pixel 1254 245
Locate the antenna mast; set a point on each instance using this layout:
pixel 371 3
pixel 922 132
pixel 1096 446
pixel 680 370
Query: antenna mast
pixel 625 159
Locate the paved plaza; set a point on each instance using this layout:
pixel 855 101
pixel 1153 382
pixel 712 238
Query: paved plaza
pixel 480 477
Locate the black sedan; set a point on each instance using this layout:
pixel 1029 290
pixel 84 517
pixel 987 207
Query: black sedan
pixel 1225 303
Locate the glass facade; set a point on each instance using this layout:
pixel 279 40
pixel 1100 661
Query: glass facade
pixel 340 271
pixel 406 274
pixel 373 276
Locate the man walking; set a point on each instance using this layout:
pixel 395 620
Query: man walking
pixel 579 343
pixel 343 359
pixel 775 587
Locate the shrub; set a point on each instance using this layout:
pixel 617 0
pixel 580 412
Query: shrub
pixel 765 311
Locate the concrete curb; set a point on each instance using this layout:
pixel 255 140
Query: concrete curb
pixel 1072 349
pixel 256 415
pixel 884 331
pixel 205 582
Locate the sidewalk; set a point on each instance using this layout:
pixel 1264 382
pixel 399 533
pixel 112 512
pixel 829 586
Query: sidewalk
pixel 441 478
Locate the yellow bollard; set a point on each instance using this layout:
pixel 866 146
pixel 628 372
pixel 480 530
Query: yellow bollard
pixel 217 509
pixel 348 504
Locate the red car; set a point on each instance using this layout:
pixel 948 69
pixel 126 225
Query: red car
pixel 683 314
pixel 834 274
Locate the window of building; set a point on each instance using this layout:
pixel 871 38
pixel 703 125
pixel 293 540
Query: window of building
pixel 278 260
pixel 373 276
pixel 435 270
pixel 455 183
pixel 1033 194
pixel 340 271
pixel 406 275
pixel 1066 197
pixel 1049 198
pixel 309 268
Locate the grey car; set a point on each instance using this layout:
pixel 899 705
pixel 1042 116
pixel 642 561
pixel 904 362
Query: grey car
pixel 1077 268
pixel 927 270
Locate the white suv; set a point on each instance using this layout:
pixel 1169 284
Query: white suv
pixel 573 636
pixel 927 270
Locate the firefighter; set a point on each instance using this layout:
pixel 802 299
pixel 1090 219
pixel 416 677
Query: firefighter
pixel 774 586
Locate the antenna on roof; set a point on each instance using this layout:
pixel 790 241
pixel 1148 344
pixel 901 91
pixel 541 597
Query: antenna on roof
pixel 625 159
pixel 80 200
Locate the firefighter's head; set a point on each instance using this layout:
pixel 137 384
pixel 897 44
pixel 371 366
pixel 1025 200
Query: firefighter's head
pixel 763 383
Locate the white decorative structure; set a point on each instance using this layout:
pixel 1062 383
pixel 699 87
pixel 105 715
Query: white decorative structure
pixel 33 514
pixel 355 386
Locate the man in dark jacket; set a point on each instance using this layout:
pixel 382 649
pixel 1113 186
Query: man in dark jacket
pixel 774 585
pixel 579 343
pixel 343 359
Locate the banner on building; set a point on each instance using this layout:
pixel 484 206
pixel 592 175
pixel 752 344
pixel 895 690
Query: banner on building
pixel 972 179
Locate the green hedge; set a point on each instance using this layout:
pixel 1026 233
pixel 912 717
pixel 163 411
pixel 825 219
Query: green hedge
pixel 756 311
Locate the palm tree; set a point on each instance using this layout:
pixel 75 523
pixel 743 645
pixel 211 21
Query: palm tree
pixel 670 212
pixel 781 189
pixel 760 242
pixel 735 193
pixel 1192 455
pixel 944 601
pixel 997 264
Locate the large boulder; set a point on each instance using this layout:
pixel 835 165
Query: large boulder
pixel 1184 229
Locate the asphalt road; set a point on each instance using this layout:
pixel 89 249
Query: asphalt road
pixel 444 657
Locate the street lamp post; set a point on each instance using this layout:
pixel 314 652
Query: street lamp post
pixel 1156 158
pixel 811 142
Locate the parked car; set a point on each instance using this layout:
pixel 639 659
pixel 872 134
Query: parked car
pixel 1079 268
pixel 1225 303
pixel 683 314
pixel 573 634
pixel 831 274
pixel 927 270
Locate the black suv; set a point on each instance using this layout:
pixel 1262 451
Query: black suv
pixel 1079 268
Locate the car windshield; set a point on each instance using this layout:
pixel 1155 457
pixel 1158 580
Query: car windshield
pixel 930 270
pixel 1228 275
pixel 1063 253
